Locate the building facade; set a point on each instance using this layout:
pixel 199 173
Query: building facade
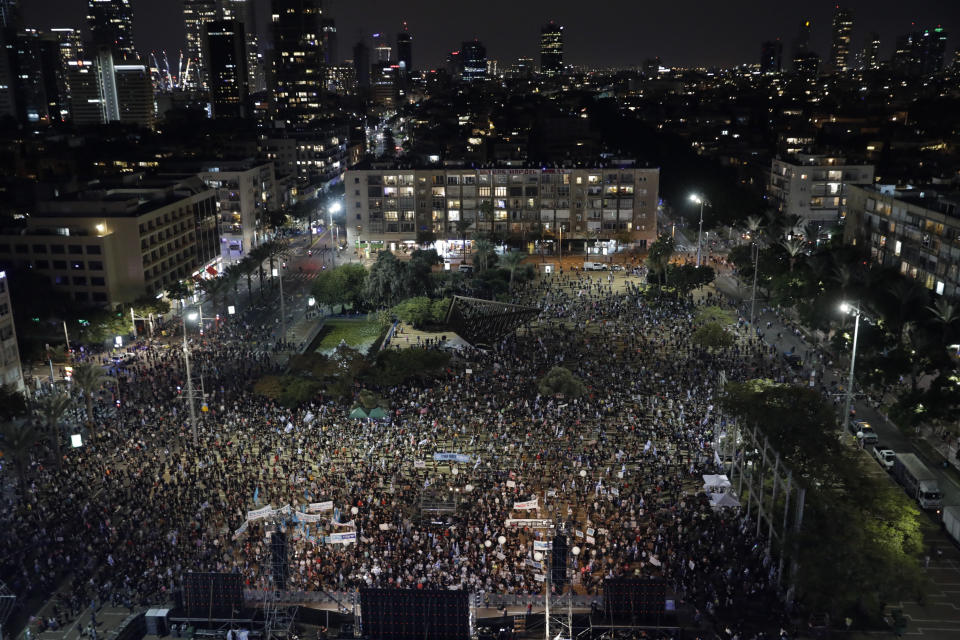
pixel 813 187
pixel 111 26
pixel 246 190
pixel 109 246
pixel 392 205
pixel 227 69
pixel 840 40
pixel 11 374
pixel 915 231
pixel 551 49
pixel 298 64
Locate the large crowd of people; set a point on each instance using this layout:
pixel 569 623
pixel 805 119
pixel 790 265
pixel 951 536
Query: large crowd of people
pixel 618 470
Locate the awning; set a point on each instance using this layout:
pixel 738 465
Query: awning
pixel 211 271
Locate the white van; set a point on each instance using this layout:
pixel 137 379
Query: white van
pixel 594 266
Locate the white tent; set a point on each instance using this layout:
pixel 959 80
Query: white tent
pixel 720 500
pixel 715 483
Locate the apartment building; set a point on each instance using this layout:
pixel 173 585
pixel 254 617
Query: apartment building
pixel 813 186
pixel 11 374
pixel 246 191
pixel 914 230
pixel 389 204
pixel 110 245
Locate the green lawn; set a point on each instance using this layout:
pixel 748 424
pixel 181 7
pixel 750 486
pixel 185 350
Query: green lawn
pixel 358 334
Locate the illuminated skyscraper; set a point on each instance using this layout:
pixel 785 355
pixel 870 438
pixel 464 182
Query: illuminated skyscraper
pixel 111 26
pixel 9 14
pixel 840 43
pixel 227 74
pixel 771 57
pixel 298 68
pixel 551 49
pixel 196 13
pixel 330 50
pixel 474 56
pixel 405 49
pixel 871 51
pixel 920 53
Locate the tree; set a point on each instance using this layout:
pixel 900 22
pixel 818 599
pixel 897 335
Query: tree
pixel 50 409
pixel 658 258
pixel 561 381
pixel 385 282
pixel 511 261
pixel 483 248
pixel 232 275
pixel 147 305
pixel 19 439
pixel 946 315
pixel 395 366
pixel 462 227
pixel 12 402
pixel 415 311
pixel 794 248
pixel 712 335
pixel 344 285
pixel 89 377
pixel 179 291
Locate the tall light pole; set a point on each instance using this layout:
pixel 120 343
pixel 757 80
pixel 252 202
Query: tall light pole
pixel 283 314
pixel 699 200
pixel 849 308
pixel 332 209
pixel 186 359
pixel 755 250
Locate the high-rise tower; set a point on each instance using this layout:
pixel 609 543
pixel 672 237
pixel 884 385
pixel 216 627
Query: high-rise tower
pixel 111 26
pixel 196 14
pixel 298 68
pixel 840 42
pixel 771 57
pixel 227 68
pixel 551 49
pixel 405 49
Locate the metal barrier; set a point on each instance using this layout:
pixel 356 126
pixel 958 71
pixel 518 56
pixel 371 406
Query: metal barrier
pixel 479 599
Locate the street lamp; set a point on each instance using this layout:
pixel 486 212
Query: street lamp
pixel 193 315
pixel 699 200
pixel 283 313
pixel 846 307
pixel 332 209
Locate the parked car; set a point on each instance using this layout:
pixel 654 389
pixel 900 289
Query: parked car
pixel 884 455
pixel 793 360
pixel 594 266
pixel 862 429
pixel 465 268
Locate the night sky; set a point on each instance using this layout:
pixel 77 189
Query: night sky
pixel 600 33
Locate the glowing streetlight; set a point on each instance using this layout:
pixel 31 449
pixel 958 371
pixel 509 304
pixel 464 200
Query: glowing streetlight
pixel 698 200
pixel 847 308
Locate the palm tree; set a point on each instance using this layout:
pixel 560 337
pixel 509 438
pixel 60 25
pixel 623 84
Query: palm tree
pixel 248 267
pixel 793 248
pixel 232 275
pixel 257 256
pixel 462 226
pixel 906 295
pixel 483 248
pixel 946 315
pixel 179 291
pixel 754 224
pixel 50 410
pixel 89 377
pixel 511 261
pixel 19 438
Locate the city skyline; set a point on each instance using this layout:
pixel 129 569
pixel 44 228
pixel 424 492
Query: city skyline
pixel 709 35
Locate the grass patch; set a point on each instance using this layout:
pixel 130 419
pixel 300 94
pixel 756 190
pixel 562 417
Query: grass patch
pixel 358 334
